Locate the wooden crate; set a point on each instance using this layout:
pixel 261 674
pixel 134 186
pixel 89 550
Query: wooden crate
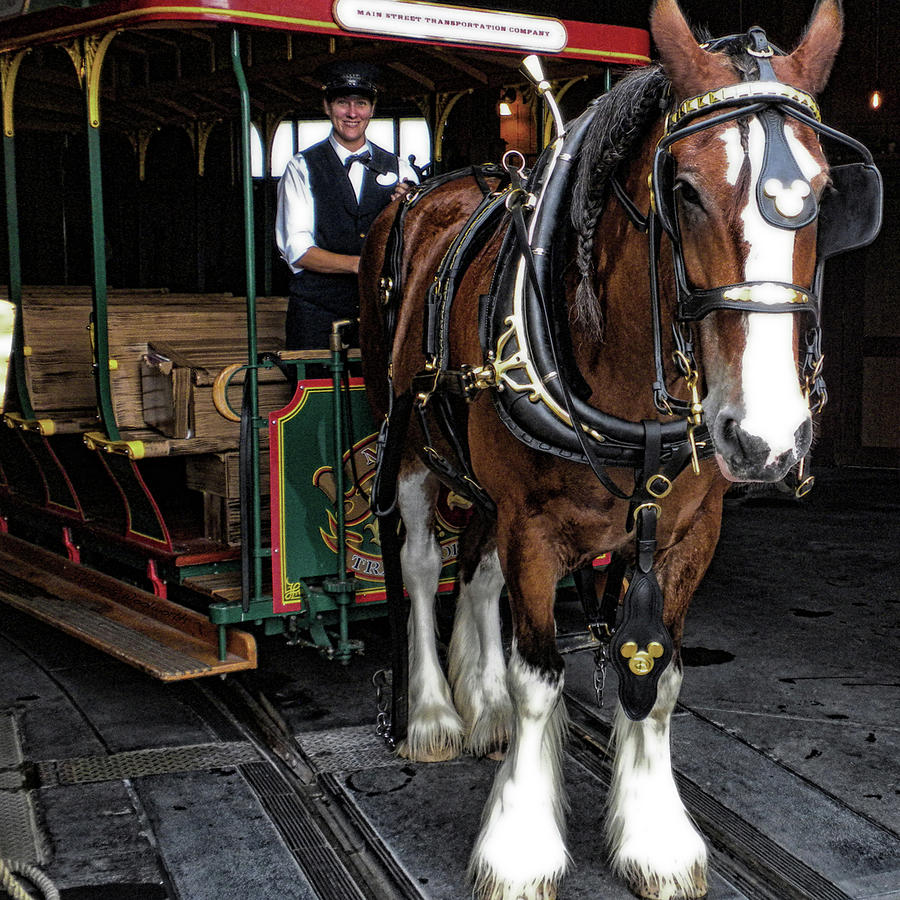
pixel 222 519
pixel 217 477
pixel 220 330
pixel 219 473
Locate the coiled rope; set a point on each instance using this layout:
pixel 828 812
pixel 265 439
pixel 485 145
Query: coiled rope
pixel 13 887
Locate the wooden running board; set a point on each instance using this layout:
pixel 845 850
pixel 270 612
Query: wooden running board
pixel 168 641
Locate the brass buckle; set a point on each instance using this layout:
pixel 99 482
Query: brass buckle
pixel 648 505
pixel 660 492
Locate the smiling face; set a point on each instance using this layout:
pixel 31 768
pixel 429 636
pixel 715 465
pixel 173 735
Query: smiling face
pixel 350 117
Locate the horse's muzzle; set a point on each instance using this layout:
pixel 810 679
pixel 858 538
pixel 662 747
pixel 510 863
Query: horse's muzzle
pixel 744 456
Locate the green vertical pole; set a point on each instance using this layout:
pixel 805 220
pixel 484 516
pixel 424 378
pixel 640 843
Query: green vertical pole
pixel 101 330
pixel 10 70
pixel 343 586
pixel 92 64
pixel 250 262
pixel 268 232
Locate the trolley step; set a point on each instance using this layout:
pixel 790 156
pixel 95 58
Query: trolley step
pixel 159 637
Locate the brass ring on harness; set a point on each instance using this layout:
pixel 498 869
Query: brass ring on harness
pixel 507 164
pixel 805 486
pixel 660 492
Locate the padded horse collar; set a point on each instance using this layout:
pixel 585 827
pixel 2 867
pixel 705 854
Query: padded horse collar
pixel 521 350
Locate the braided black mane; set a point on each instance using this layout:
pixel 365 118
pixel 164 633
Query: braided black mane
pixel 623 117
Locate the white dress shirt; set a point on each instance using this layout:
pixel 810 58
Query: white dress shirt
pixel 295 222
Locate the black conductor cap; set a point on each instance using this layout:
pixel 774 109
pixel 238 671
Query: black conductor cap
pixel 342 78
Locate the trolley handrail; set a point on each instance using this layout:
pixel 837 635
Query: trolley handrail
pixel 251 582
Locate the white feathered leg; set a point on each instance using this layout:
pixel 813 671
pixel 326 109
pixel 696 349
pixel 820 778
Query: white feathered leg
pixel 652 842
pixel 520 853
pixel 477 666
pixel 434 730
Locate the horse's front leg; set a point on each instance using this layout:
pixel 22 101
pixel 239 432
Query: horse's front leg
pixel 652 842
pixel 520 853
pixel 477 664
pixel 434 729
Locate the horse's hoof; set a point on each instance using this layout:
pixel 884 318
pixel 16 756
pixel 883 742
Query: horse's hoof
pixel 434 734
pixel 669 889
pixel 496 890
pixel 429 755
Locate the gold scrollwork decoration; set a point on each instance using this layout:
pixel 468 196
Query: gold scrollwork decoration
pixel 204 130
pixel 87 56
pixel 516 361
pixel 141 142
pixel 95 48
pixel 9 69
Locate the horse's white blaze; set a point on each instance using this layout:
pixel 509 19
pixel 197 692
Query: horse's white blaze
pixel 809 165
pixel 651 839
pixel 734 154
pixel 434 728
pixel 520 851
pixel 477 665
pixel 774 406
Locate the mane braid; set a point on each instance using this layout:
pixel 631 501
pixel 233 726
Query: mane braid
pixel 623 116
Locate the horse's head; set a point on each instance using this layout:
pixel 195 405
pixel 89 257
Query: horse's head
pixel 739 179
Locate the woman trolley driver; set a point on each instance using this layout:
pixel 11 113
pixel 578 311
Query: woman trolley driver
pixel 328 198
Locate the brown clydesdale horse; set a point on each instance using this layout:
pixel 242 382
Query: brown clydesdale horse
pixel 740 181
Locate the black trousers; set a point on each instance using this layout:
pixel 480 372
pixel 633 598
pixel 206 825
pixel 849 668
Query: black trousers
pixel 315 301
pixel 308 325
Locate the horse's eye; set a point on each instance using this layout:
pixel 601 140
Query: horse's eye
pixel 688 193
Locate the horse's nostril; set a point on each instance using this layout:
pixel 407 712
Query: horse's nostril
pixel 730 431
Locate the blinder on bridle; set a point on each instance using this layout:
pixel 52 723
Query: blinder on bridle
pixel 848 214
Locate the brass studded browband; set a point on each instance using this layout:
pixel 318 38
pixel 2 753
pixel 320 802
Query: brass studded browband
pixel 745 91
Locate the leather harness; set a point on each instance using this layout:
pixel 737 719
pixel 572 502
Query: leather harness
pixel 528 374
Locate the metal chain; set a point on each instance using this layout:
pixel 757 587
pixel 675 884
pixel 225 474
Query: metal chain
pixel 601 661
pixel 383 681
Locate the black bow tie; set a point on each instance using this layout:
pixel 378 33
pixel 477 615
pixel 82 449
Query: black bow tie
pixel 363 157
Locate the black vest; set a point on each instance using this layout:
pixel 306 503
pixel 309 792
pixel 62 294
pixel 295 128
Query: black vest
pixel 341 223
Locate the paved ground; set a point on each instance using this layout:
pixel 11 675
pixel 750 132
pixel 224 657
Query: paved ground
pixel 788 727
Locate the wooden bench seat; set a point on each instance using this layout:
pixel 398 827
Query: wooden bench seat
pixel 207 331
pixel 201 338
pixel 56 349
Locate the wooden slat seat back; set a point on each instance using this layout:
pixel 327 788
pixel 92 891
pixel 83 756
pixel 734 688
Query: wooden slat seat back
pixel 57 343
pixel 198 339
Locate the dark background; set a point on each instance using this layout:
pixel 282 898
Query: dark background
pixel 868 58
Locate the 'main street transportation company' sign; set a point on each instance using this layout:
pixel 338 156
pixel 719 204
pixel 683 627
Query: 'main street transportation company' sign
pixel 426 21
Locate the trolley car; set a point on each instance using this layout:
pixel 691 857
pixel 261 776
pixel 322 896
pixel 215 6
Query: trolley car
pixel 160 483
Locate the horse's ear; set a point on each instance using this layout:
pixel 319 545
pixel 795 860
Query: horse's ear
pixel 809 66
pixel 690 68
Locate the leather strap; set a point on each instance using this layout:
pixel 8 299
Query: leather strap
pixel 641 647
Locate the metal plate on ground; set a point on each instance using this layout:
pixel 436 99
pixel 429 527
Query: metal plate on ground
pixel 10 746
pixel 347 749
pixel 18 829
pixel 139 763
